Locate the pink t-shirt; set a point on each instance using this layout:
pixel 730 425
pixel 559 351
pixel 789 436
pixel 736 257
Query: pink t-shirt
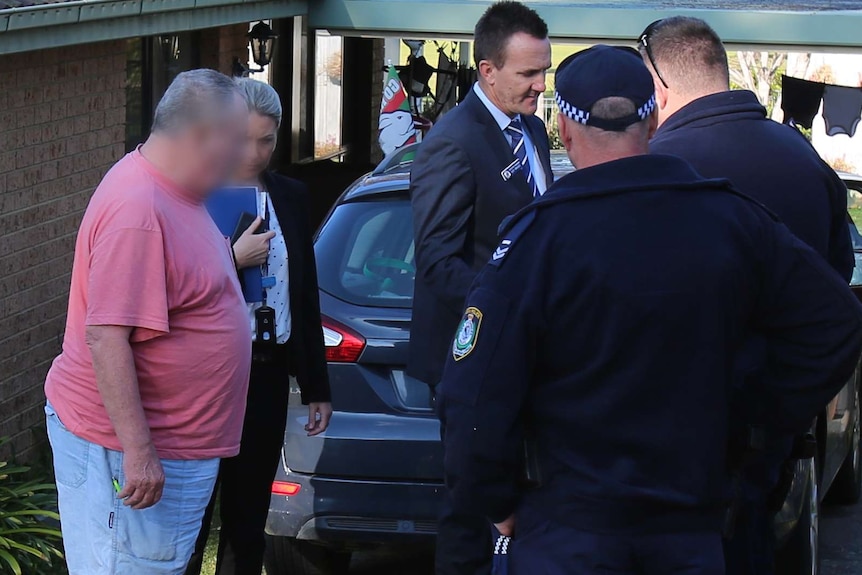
pixel 149 258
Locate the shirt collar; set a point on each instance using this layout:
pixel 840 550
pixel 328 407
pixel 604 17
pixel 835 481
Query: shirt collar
pixel 499 115
pixel 721 106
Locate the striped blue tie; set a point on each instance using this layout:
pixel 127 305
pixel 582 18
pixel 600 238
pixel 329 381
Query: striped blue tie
pixel 515 132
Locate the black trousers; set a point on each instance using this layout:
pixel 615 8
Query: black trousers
pixel 465 541
pixel 245 481
pixel 751 551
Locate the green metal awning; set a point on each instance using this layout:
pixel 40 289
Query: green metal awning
pixel 833 25
pixel 81 21
pixel 819 24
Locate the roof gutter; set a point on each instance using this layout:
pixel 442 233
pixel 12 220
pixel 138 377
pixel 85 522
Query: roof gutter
pixel 83 21
pixel 584 22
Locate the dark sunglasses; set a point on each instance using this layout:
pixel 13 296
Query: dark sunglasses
pixel 644 41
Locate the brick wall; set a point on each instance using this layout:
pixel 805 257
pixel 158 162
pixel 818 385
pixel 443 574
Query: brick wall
pixel 62 125
pixel 219 47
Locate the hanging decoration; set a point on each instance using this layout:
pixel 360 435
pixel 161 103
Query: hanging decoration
pixel 801 99
pixel 842 109
pixel 416 94
pixel 396 125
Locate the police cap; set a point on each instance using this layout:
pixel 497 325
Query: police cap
pixel 602 72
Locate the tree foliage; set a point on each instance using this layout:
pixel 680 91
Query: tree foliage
pixel 759 72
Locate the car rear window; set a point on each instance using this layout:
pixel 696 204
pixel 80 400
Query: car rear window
pixel 365 253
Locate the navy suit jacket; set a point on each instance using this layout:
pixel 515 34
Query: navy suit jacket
pixel 459 200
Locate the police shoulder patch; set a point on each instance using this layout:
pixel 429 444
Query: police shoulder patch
pixel 513 229
pixel 468 333
pixel 501 250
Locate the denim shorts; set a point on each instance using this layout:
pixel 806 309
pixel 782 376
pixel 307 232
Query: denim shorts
pixel 101 536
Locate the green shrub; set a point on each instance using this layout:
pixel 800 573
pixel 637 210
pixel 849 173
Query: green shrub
pixel 29 536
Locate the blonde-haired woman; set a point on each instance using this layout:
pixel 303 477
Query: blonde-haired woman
pixel 285 253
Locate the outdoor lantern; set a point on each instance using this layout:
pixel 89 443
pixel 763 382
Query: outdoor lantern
pixel 170 47
pixel 261 38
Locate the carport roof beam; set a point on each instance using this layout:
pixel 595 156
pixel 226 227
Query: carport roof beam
pixel 592 21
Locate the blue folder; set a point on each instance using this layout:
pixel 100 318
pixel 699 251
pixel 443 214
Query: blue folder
pixel 226 207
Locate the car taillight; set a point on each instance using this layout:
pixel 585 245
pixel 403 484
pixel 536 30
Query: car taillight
pixel 343 345
pixel 285 488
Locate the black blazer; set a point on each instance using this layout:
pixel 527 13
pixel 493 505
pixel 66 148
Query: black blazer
pixel 307 354
pixel 459 200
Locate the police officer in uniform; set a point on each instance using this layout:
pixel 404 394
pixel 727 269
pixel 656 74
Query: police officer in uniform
pixel 726 133
pixel 602 334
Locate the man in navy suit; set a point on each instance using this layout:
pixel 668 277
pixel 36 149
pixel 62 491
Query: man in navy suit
pixel 481 163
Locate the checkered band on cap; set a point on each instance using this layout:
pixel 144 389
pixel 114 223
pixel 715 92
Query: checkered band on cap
pixel 576 114
pixel 647 109
pixel 583 117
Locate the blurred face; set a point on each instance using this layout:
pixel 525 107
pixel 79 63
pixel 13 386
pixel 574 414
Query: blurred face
pixel 260 141
pixel 515 87
pixel 215 148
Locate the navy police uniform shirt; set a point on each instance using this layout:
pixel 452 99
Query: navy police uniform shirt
pixel 604 329
pixel 728 135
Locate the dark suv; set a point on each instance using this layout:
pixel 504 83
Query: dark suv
pixel 375 476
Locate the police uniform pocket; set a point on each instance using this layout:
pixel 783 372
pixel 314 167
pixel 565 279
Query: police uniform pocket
pixel 474 349
pixel 71 453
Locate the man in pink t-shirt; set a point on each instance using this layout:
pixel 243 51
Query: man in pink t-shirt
pixel 149 391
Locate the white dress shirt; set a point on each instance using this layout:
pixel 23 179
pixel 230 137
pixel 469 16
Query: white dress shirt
pixel 503 120
pixel 277 296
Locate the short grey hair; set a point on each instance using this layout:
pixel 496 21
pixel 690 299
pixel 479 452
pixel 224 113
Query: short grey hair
pixel 614 108
pixel 261 97
pixel 190 96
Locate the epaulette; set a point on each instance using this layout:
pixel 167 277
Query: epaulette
pixel 512 229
